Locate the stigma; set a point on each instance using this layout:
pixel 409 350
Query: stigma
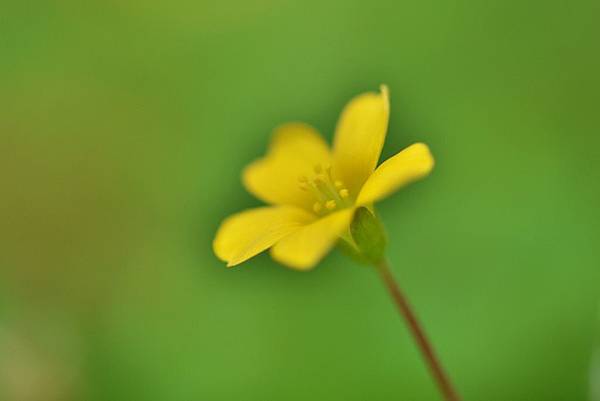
pixel 329 194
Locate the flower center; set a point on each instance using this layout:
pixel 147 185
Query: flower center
pixel 330 194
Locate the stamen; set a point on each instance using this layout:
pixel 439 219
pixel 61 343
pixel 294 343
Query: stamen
pixel 328 193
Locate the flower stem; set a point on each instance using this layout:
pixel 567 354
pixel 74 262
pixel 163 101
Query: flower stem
pixel 435 367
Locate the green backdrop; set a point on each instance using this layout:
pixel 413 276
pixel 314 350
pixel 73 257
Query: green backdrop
pixel 124 127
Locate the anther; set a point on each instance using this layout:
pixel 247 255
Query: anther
pixel 330 204
pixel 317 207
pixel 344 193
pixel 338 184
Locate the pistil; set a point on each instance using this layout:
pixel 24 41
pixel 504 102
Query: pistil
pixel 330 194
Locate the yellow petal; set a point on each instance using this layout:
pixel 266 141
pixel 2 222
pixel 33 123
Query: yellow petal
pixel 294 152
pixel 405 167
pixel 248 233
pixel 304 248
pixel 359 137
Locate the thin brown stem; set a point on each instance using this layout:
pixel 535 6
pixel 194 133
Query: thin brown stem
pixel 433 362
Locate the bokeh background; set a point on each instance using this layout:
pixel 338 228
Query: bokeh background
pixel 124 126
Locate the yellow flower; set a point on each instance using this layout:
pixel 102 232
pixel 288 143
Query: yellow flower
pixel 314 190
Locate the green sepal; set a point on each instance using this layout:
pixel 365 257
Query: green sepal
pixel 369 236
pixel 348 247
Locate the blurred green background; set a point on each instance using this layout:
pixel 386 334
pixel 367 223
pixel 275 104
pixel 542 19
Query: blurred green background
pixel 124 126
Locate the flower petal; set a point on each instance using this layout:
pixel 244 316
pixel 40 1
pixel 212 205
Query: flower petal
pixel 294 151
pixel 405 167
pixel 304 248
pixel 359 137
pixel 250 232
